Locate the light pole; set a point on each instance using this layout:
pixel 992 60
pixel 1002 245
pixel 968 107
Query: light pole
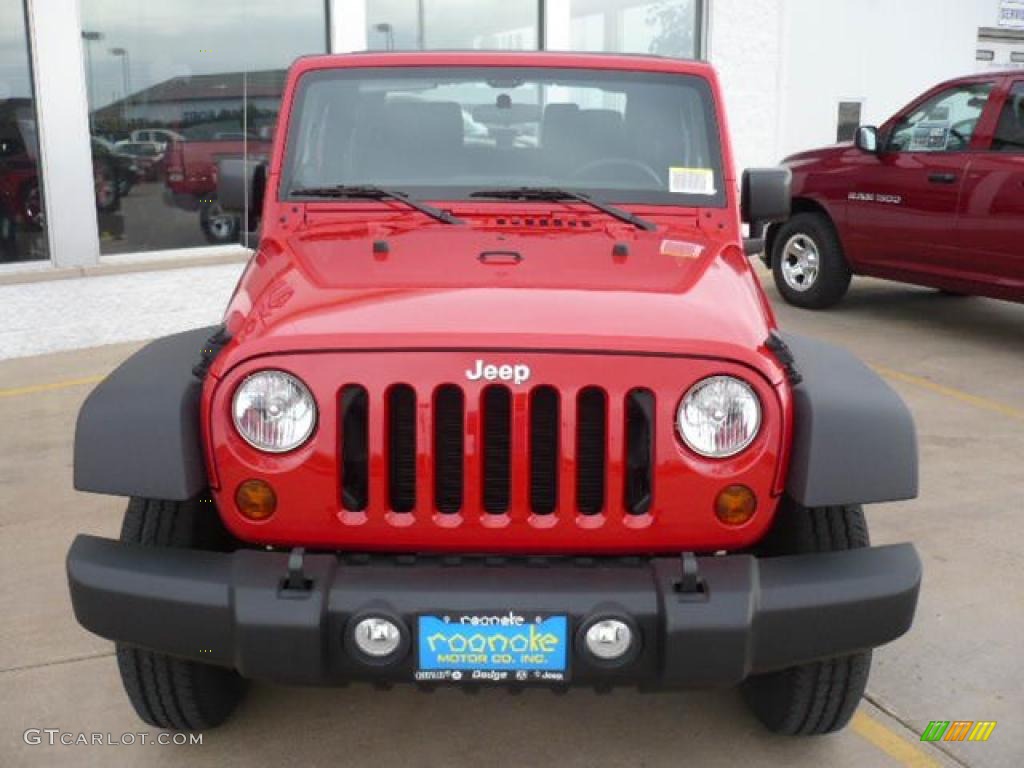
pixel 389 34
pixel 90 38
pixel 125 78
pixel 421 32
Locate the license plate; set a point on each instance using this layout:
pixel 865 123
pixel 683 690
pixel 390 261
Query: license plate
pixel 478 647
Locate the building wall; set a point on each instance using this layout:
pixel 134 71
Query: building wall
pixel 786 64
pixel 745 47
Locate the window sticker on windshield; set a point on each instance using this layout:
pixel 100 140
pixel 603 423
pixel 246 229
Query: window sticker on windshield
pixel 930 137
pixel 691 181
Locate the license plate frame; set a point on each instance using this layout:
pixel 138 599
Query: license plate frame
pixel 484 647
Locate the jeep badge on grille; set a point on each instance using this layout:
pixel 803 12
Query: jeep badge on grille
pixel 517 374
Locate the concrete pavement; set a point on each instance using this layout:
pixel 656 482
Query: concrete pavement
pixel 958 362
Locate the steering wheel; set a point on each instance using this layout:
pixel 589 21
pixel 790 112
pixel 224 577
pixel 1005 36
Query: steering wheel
pixel 963 131
pixel 617 162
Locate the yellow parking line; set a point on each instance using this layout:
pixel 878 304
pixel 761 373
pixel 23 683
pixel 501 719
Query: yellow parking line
pixel 892 743
pixel 956 394
pixel 34 388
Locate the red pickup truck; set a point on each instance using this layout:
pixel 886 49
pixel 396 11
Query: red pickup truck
pixel 191 174
pixel 933 197
pixel 497 401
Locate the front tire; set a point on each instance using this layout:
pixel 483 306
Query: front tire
pixel 167 692
pixel 808 263
pixel 819 697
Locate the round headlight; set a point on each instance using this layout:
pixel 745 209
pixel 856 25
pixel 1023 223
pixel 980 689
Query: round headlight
pixel 273 411
pixel 719 417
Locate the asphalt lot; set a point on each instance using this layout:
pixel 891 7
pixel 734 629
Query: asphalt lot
pixel 959 363
pixel 151 224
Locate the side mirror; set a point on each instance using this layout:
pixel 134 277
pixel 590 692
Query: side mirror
pixel 241 183
pixel 765 198
pixel 866 139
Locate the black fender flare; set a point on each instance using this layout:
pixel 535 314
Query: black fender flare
pixel 854 440
pixel 138 431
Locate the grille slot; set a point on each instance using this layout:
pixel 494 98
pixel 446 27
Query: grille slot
pixel 497 444
pixel 639 458
pixel 355 443
pixel 402 448
pixel 544 426
pixel 448 448
pixel 591 438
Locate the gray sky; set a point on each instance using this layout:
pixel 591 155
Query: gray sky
pixel 449 23
pixel 14 79
pixel 197 37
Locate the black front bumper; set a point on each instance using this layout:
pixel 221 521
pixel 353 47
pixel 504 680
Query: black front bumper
pixel 750 615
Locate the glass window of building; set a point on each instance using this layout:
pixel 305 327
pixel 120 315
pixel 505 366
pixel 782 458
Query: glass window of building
pixel 173 88
pixel 22 215
pixel 451 24
pixel 664 27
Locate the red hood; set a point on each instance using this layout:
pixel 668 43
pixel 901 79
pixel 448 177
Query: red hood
pixel 815 155
pixel 676 291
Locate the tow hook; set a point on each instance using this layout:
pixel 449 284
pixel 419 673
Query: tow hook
pixel 296 583
pixel 690 582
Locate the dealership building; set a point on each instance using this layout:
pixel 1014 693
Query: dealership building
pixel 98 96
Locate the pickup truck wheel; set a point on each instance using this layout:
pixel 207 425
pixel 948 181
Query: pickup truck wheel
pixel 168 692
pixel 219 226
pixel 808 264
pixel 819 697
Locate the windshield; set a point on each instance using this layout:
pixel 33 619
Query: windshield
pixel 447 132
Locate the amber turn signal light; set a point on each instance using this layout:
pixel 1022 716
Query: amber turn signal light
pixel 735 505
pixel 256 500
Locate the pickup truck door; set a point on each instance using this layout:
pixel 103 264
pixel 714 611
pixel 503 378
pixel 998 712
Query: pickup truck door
pixel 991 223
pixel 902 205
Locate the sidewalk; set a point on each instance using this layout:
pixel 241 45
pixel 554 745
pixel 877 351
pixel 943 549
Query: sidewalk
pixel 57 315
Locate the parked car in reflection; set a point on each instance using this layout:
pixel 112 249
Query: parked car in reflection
pixel 161 136
pixel 147 157
pixel 935 196
pixel 20 199
pixel 22 208
pixel 191 173
pixel 114 173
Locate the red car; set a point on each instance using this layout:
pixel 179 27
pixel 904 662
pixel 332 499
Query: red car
pixel 933 197
pixel 497 411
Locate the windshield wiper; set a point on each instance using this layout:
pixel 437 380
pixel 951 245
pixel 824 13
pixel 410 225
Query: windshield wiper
pixel 555 193
pixel 370 192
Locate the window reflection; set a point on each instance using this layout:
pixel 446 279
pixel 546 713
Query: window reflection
pixel 173 88
pixel 663 27
pixel 451 24
pixel 22 215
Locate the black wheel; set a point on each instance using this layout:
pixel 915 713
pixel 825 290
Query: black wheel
pixel 808 264
pixel 32 206
pixel 819 697
pixel 218 226
pixel 8 238
pixel 168 692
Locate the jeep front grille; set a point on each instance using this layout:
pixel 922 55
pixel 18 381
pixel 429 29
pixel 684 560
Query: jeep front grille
pixel 561 468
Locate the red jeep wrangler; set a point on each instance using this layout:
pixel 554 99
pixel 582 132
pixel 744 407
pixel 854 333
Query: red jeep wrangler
pixel 934 197
pixel 497 399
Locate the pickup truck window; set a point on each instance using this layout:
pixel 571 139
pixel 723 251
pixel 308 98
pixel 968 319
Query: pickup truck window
pixel 1010 129
pixel 944 123
pixel 447 133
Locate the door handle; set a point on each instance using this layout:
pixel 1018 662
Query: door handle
pixel 942 178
